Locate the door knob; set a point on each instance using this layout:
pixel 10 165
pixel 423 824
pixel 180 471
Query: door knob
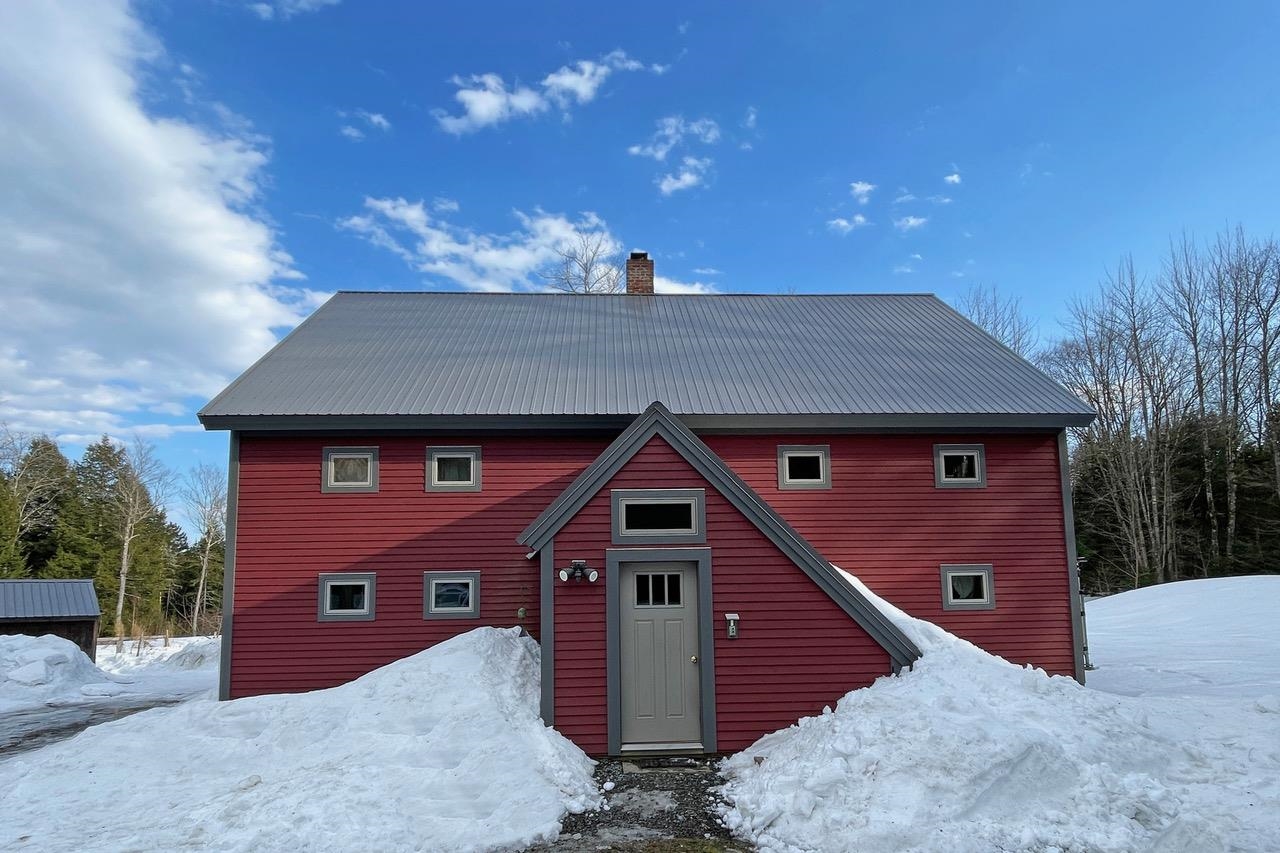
pixel 693 658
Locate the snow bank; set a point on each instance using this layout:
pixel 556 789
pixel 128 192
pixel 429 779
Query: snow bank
pixel 36 671
pixel 968 752
pixel 441 751
pixel 182 654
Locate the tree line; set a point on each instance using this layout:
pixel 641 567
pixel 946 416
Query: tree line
pixel 1179 475
pixel 104 517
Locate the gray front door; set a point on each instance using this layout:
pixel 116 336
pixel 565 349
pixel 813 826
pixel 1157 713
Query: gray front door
pixel 661 702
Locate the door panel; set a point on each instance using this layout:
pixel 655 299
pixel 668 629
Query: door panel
pixel 660 688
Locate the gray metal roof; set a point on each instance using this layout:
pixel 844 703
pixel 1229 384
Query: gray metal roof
pixel 48 599
pixel 469 354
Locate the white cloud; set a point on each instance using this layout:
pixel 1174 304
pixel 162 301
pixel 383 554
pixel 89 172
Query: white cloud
pixel 904 196
pixel 903 269
pixel 939 199
pixel 487 100
pixel 861 190
pixel 840 225
pixel 749 122
pixel 909 223
pixel 440 204
pixel 137 273
pixel 683 27
pixel 662 284
pixel 916 256
pixel 673 131
pixel 377 120
pixel 692 173
pixel 706 271
pixel 353 133
pixel 953 178
pixel 286 9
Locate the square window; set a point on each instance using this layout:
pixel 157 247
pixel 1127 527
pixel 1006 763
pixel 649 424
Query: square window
pixel 804 466
pixel 453 469
pixel 967 587
pixel 671 516
pixel 450 595
pixel 350 469
pixel 959 466
pixel 347 597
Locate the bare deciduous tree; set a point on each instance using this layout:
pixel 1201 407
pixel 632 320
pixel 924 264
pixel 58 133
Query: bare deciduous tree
pixel 138 497
pixel 1001 317
pixel 30 472
pixel 204 498
pixel 591 262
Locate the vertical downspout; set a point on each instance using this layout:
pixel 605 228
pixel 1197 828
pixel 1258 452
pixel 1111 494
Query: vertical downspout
pixel 229 565
pixel 547 620
pixel 1079 639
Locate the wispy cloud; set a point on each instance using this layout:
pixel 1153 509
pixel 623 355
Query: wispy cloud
pixel 910 223
pixel 842 226
pixel 285 9
pixel 903 269
pixel 673 131
pixel 487 100
pixel 706 271
pixel 750 119
pixel 904 195
pixel 440 204
pixel 350 132
pixel 662 284
pixel 953 178
pixel 375 121
pixel 692 173
pixel 861 191
pixel 939 199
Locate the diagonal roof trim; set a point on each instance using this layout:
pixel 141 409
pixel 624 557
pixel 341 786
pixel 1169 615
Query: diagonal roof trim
pixel 657 420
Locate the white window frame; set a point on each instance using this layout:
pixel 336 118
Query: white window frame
pixel 328 484
pixel 429 581
pixel 984 570
pixel 941 451
pixel 328 579
pixel 822 451
pixel 620 499
pixel 434 484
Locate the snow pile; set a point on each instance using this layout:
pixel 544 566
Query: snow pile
pixel 181 654
pixel 441 751
pixel 1183 639
pixel 968 752
pixel 36 671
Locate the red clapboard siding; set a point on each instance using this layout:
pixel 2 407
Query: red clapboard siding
pixel 796 651
pixel 885 521
pixel 288 532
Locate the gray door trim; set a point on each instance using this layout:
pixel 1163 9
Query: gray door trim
pixel 1079 640
pixel 229 564
pixel 547 634
pixel 614 557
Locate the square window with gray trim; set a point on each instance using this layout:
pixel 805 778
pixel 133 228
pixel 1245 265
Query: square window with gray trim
pixel 967 587
pixel 453 469
pixel 659 515
pixel 804 466
pixel 346 597
pixel 959 466
pixel 450 595
pixel 350 469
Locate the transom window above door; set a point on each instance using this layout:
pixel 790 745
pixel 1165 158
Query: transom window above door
pixel 658 589
pixel 453 469
pixel 659 515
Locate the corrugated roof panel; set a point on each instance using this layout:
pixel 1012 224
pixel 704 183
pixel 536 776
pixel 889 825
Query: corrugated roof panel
pixel 47 599
pixel 541 354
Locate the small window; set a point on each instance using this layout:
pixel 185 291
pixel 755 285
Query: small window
pixel 453 469
pixel 804 466
pixel 450 595
pixel 350 469
pixel 959 466
pixel 967 588
pixel 659 515
pixel 658 590
pixel 346 597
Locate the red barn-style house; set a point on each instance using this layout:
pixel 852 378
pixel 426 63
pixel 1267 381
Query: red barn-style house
pixel 656 487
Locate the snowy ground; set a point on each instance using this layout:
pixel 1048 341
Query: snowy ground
pixel 49 688
pixel 970 753
pixel 441 751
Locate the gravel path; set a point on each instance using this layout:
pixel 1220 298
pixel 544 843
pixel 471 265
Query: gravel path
pixel 651 806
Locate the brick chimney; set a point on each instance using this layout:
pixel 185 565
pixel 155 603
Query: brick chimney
pixel 639 273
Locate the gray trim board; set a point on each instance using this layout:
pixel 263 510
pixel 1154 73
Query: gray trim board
pixel 547 617
pixel 658 421
pixel 476 468
pixel 698 497
pixel 326 485
pixel 821 450
pixel 472 613
pixel 1079 639
pixel 613 558
pixel 946 570
pixel 979 450
pixel 371 591
pixel 229 565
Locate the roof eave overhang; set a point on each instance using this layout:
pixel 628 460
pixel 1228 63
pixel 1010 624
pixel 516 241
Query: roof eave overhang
pixel 947 422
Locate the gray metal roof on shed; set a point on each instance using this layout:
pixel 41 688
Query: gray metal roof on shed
pixel 48 599
pixel 471 354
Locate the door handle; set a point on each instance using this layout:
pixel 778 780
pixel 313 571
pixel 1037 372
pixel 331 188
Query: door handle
pixel 693 658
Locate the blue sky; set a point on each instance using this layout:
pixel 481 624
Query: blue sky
pixel 194 177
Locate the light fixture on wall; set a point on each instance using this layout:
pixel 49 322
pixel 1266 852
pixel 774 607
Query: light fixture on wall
pixel 578 570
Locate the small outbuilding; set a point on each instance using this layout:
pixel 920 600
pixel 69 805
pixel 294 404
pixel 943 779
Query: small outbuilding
pixel 64 608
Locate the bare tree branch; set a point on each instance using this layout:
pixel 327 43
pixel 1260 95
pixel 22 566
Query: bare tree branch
pixel 591 262
pixel 1001 317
